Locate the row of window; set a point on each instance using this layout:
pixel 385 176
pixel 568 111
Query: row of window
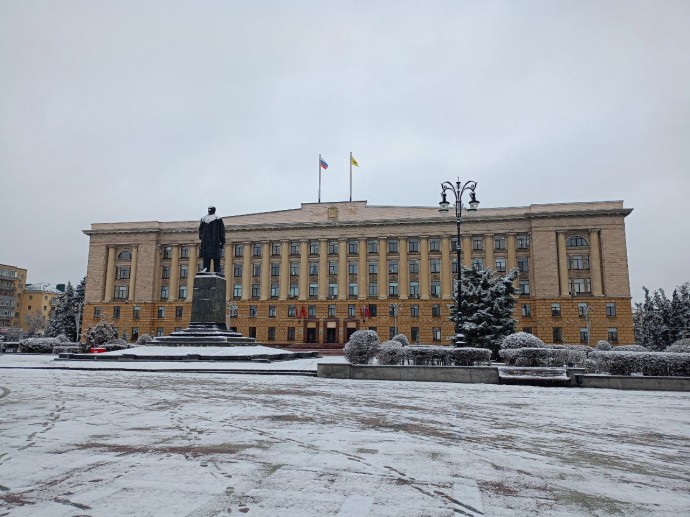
pixel 557 335
pixel 583 309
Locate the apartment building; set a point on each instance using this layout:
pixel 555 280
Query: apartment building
pixel 12 283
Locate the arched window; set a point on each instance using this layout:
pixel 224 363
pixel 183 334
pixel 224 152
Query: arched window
pixel 124 255
pixel 576 241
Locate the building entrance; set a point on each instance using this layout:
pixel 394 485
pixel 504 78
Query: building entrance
pixel 311 335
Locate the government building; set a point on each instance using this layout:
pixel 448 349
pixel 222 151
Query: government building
pixel 313 275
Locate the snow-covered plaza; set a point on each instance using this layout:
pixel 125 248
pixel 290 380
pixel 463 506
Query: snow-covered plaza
pixel 103 443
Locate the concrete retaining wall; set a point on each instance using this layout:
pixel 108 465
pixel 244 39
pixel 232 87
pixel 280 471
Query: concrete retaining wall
pixel 624 382
pixel 470 374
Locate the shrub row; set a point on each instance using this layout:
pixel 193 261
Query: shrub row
pixel 446 356
pixel 544 357
pixel 644 363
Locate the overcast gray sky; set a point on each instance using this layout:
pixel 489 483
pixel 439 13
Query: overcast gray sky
pixel 147 110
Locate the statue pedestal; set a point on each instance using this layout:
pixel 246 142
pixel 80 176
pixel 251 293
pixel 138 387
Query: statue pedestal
pixel 208 301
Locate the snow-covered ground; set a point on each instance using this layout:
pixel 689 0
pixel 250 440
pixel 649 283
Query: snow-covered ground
pixel 152 443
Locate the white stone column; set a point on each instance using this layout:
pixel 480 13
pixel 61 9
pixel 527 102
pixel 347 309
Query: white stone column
pixel 303 270
pixel 424 268
pixel 323 269
pixel 383 269
pixel 403 270
pixel 133 274
pixel 362 274
pixel 446 268
pixel 246 270
pixel 174 273
pixel 342 269
pixel 284 269
pixel 595 262
pixel 110 275
pixel 562 264
pixel 265 270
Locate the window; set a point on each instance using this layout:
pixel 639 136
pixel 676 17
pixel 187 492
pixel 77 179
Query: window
pixel 557 333
pixel 311 311
pixel 275 269
pixel 256 290
pixel 97 312
pixel 351 311
pixel 122 272
pixel 584 335
pixel 393 245
pixel 582 309
pixel 294 248
pixel 313 247
pixel 331 311
pixel 611 309
pixel 393 289
pixel 136 311
pixel 393 267
pixel 372 246
pixel 373 289
pixel 576 241
pixel 275 249
pixel 580 285
pixel 124 255
pixel 159 331
pixel 332 268
pixel 332 290
pixel 414 311
pixel 161 311
pixel 237 291
pixel 528 330
pixel 252 311
pixel 352 247
pixel 555 309
pixel 414 289
pixel 179 310
pixel 435 289
pixel 182 292
pixel 256 249
pixel 167 252
pixel 522 242
pixel 373 268
pixel 436 333
pixel 435 265
pixel 372 310
pixel 391 332
pixel 393 310
pixel 332 247
pixel 292 311
pixel 293 291
pixel 121 292
pixel 256 269
pixel 478 263
pixel 252 332
pixel 435 311
pixel 294 268
pixel 239 250
pixel 578 261
pixel 352 290
pixel 237 270
pixel 523 264
pixel 165 292
pixel 413 245
pixel 135 333
pixel 501 264
pixel 166 272
pixel 314 268
pixel 352 268
pixel 613 335
pixel 271 311
pixel 274 290
pixel 434 244
pixel 523 288
pixel 454 265
pixel 291 333
pixel 526 310
pixel 271 333
pixel 414 334
pixel 478 243
pixel 499 242
pixel 184 271
pixel 454 244
pixel 116 312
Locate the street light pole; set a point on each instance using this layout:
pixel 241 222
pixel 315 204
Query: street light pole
pixel 458 190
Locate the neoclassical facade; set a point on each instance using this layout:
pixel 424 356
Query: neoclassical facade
pixel 315 274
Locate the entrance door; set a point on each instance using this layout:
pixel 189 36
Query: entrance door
pixel 350 331
pixel 331 335
pixel 311 335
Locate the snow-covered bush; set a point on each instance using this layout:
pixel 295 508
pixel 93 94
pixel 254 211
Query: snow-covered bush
pixel 603 345
pixel 682 346
pixel 362 346
pixel 423 355
pixel 402 339
pixel 38 345
pixel 100 334
pixel 391 353
pixel 62 338
pixel 143 339
pixel 629 348
pixel 419 355
pixel 645 363
pixel 522 340
pixel 74 348
pixel 543 357
pixel 116 344
pixel 468 356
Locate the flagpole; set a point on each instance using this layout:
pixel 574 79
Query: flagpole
pixel 350 175
pixel 319 177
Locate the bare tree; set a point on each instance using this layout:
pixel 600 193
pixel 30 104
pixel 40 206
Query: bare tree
pixel 35 323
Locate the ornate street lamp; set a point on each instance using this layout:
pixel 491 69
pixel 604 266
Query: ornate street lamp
pixel 458 190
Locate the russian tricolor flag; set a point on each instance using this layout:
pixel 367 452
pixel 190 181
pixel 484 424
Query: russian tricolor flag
pixel 324 165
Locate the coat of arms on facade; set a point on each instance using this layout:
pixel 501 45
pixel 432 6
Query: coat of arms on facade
pixel 332 213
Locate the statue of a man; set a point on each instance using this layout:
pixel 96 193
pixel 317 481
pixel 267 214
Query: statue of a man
pixel 212 235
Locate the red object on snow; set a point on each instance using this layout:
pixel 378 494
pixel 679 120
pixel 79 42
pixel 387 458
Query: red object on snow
pixel 96 350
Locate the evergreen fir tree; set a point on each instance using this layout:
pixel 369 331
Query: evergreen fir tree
pixel 659 321
pixel 487 304
pixel 63 320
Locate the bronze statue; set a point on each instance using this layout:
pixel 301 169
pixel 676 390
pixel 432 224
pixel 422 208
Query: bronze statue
pixel 212 235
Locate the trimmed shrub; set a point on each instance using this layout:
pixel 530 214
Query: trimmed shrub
pixel 543 357
pixel 38 345
pixel 68 349
pixel 423 355
pixel 522 340
pixel 468 356
pixel 644 363
pixel 603 345
pixel 402 339
pixel 362 346
pixel 100 334
pixel 116 344
pixel 143 339
pixel 682 346
pixel 391 353
pixel 629 348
